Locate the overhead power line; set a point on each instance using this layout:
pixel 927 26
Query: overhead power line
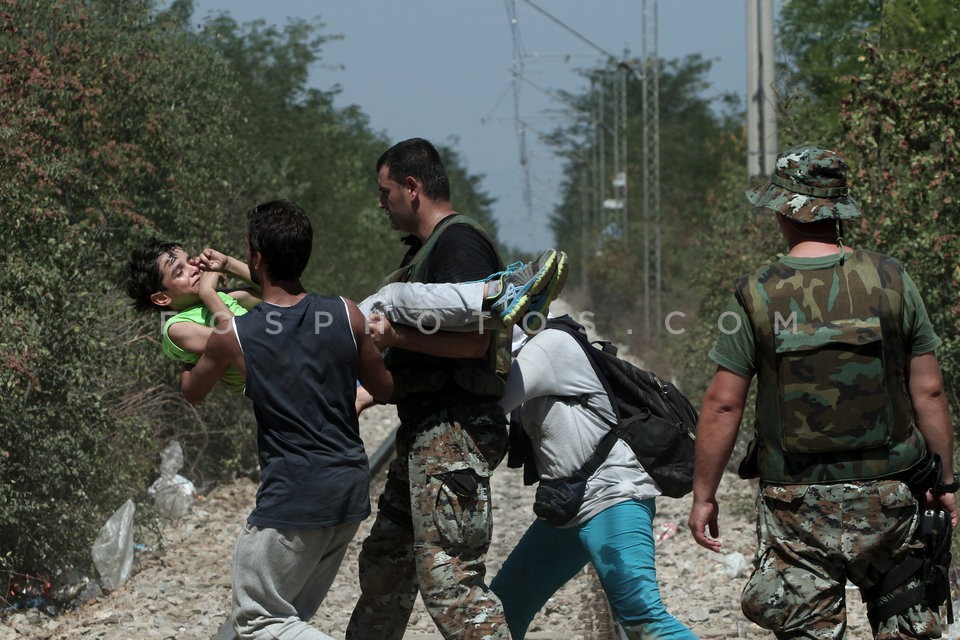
pixel 570 29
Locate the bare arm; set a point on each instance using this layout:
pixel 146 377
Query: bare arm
pixel 189 336
pixel 192 337
pixel 716 436
pixel 246 297
pixel 211 300
pixel 371 370
pixel 221 351
pixel 445 344
pixel 934 422
pixel 212 260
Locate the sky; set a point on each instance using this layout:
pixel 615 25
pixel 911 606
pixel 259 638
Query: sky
pixel 443 70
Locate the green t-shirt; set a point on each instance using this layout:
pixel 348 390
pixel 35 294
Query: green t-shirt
pixel 199 314
pixel 734 348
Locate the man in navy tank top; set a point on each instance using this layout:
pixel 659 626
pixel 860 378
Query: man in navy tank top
pixel 301 355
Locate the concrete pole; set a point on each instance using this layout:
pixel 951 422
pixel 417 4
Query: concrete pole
pixel 762 144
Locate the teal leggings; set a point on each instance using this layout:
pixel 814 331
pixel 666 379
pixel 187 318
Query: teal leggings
pixel 619 543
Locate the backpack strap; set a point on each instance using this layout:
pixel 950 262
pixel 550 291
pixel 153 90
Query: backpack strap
pixel 404 272
pixel 593 463
pixel 576 330
pixel 573 328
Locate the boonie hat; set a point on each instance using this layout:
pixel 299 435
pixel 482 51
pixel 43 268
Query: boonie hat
pixel 809 183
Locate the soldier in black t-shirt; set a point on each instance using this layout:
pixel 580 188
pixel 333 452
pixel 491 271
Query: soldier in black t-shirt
pixel 434 520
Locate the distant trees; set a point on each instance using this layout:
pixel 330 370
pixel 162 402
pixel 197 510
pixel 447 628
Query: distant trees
pixel 701 142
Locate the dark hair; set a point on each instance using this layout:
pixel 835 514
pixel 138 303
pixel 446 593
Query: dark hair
pixel 281 233
pixel 418 158
pixel 142 276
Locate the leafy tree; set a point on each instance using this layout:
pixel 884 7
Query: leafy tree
pixel 823 44
pixel 111 121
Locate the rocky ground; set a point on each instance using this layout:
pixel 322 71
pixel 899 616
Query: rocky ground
pixel 182 589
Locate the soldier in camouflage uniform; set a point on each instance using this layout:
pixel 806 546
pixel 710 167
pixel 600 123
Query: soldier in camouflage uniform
pixel 850 405
pixel 434 519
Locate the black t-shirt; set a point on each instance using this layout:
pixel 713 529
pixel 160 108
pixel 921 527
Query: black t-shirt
pixel 460 254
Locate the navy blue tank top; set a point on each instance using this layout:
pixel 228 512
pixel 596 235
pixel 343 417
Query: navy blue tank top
pixel 301 376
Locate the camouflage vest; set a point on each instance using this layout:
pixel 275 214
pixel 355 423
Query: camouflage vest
pixel 832 399
pixel 420 373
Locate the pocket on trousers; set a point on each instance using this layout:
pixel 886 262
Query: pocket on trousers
pixel 462 512
pixel 779 511
pixel 290 540
pixel 760 592
pixel 900 512
pixel 782 593
pixel 895 495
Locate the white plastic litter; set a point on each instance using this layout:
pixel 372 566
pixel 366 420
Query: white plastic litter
pixel 113 549
pixel 172 494
pixel 734 564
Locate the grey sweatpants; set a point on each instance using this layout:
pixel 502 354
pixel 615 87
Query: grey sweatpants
pixel 280 577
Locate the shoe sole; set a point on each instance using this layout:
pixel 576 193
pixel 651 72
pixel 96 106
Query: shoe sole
pixel 536 314
pixel 545 275
pixel 534 287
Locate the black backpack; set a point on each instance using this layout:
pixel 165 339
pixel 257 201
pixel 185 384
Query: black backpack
pixel 653 416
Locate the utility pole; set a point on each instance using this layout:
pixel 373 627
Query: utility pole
pixel 585 224
pixel 518 73
pixel 651 171
pixel 615 215
pixel 600 163
pixel 620 181
pixel 762 144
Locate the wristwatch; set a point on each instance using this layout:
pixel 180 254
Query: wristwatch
pixel 940 488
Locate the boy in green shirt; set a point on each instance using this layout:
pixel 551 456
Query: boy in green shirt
pixel 160 275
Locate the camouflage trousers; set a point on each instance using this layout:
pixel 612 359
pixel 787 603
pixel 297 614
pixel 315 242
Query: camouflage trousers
pixel 813 539
pixel 432 532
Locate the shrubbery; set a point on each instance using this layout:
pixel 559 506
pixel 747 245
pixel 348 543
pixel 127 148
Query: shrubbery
pixel 123 122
